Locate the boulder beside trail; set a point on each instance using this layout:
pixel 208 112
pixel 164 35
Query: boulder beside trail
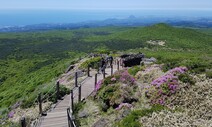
pixel 101 123
pixel 132 60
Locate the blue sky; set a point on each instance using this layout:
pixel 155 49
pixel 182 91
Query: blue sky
pixel 106 4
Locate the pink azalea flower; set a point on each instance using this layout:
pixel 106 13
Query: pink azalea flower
pixel 11 114
pixel 124 105
pixel 98 85
pixel 113 79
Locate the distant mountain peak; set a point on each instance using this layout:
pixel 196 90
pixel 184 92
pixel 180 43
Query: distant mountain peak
pixel 131 17
pixel 161 25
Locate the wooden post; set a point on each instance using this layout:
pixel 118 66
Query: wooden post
pixel 79 97
pixel 104 73
pixel 68 116
pixel 112 69
pixel 70 120
pixel 121 63
pixel 76 76
pixel 98 68
pixel 58 90
pixel 23 122
pixel 118 65
pixel 95 82
pixel 40 104
pixel 72 100
pixel 88 70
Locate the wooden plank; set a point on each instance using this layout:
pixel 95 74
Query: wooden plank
pixel 53 120
pixel 58 124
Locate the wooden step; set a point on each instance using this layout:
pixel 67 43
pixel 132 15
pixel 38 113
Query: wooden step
pixel 57 124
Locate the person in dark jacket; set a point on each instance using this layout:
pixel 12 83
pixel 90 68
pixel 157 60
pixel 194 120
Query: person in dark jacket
pixel 111 60
pixel 103 64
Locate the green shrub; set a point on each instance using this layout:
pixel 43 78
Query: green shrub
pixel 111 96
pixel 209 74
pixel 116 89
pixel 169 64
pixel 133 70
pixel 8 123
pixel 93 63
pixel 77 108
pixel 102 51
pixel 62 93
pixel 186 78
pixel 106 95
pixel 197 65
pixel 28 102
pixel 107 80
pixel 3 112
pixel 132 120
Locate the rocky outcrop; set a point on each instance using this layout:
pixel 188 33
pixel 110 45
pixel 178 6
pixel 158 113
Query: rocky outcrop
pixel 132 60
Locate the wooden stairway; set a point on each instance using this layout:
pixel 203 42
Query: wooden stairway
pixel 58 116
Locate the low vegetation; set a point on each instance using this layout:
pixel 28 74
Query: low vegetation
pixel 93 63
pixel 31 61
pixel 132 120
pixel 134 70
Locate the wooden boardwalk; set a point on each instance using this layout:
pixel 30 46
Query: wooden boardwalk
pixel 58 116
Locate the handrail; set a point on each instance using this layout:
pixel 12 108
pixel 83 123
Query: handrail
pixel 70 119
pixel 71 123
pixel 37 122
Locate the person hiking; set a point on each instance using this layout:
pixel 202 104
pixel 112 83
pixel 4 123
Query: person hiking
pixel 111 60
pixel 103 65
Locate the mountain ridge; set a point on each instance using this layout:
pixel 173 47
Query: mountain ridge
pixel 129 21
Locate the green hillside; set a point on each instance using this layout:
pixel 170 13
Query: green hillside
pixel 175 37
pixel 31 59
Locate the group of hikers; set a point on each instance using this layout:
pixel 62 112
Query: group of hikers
pixel 106 61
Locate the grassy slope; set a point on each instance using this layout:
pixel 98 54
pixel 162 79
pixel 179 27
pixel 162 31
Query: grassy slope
pixel 206 30
pixel 175 37
pixel 30 59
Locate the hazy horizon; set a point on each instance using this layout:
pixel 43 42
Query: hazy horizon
pixel 25 12
pixel 19 17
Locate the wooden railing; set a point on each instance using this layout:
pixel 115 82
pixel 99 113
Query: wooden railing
pixel 71 122
pixel 70 110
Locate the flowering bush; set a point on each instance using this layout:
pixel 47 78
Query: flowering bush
pixel 165 85
pixel 115 90
pixel 149 74
pixel 192 106
pixel 121 76
pixel 125 77
pixel 179 70
pixel 11 114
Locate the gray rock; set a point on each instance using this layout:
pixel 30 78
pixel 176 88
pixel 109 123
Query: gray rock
pixel 125 112
pixel 149 60
pixel 148 63
pixel 152 59
pixel 101 123
pixel 83 114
